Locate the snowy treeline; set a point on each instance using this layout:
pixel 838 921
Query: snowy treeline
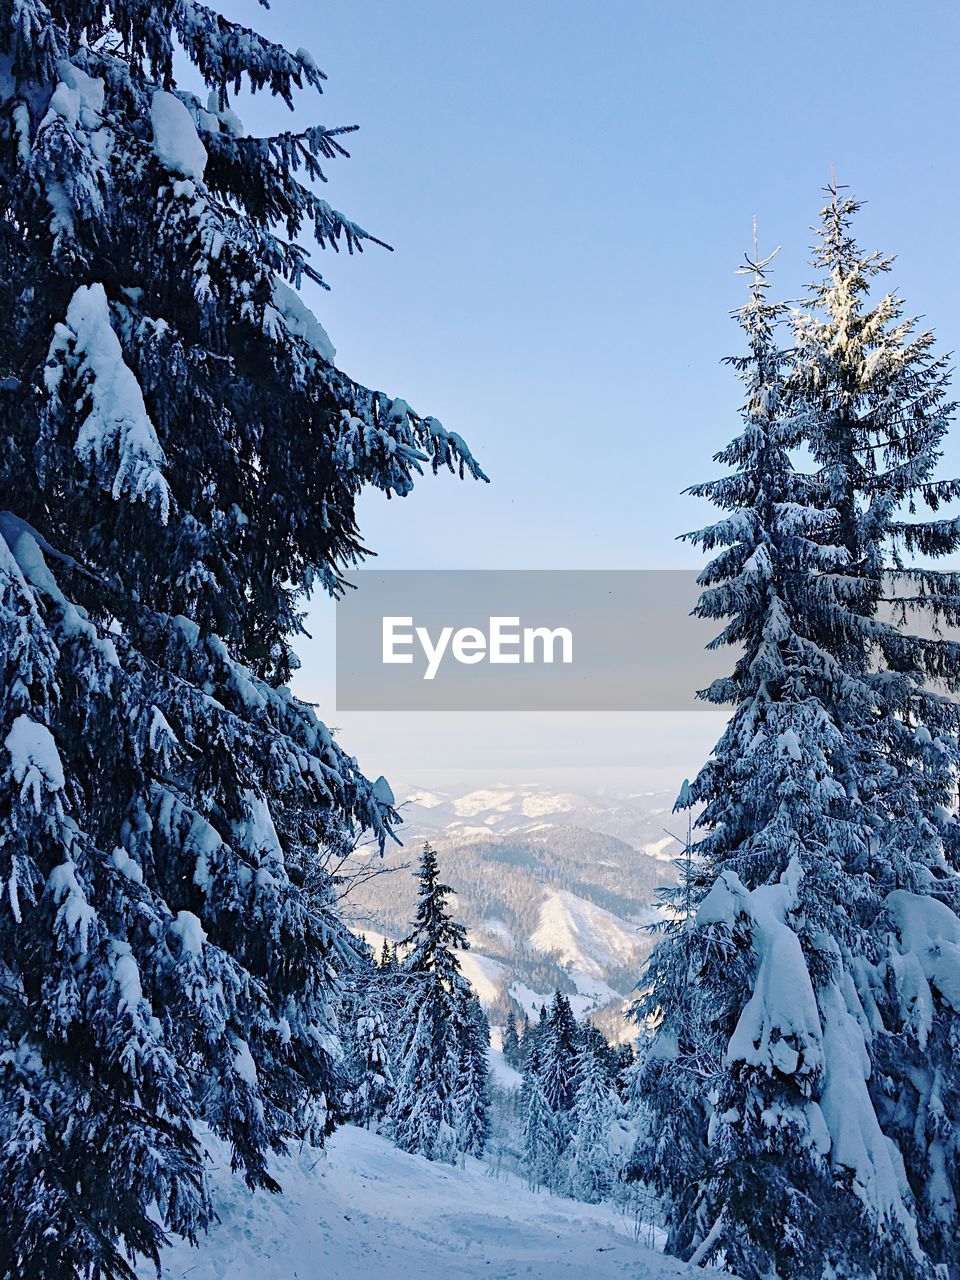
pixel 180 466
pixel 801 1094
pixel 418 1065
pixel 571 1121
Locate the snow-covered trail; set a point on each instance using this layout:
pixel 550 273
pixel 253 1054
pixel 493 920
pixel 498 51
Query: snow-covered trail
pixel 363 1209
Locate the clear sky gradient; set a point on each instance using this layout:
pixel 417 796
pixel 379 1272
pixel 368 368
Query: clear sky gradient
pixel 569 188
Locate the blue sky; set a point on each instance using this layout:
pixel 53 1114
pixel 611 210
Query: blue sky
pixel 569 189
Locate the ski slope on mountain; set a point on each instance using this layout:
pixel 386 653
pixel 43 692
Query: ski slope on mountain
pixel 361 1208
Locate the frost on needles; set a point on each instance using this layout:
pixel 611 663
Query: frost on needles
pixel 180 466
pixel 802 1089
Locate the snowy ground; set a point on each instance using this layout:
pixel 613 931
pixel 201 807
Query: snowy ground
pixel 362 1209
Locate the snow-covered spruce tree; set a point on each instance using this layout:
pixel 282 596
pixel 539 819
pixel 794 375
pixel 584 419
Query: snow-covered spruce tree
pixel 539 1144
pixel 558 1054
pixel 591 1039
pixel 625 1062
pixel 390 995
pixel 180 464
pixel 533 1038
pixel 388 958
pixel 366 1038
pixel 812 963
pixel 511 1041
pixel 593 1155
pixel 373 1090
pixel 473 1085
pixel 549 1089
pixel 432 1036
pixel 871 397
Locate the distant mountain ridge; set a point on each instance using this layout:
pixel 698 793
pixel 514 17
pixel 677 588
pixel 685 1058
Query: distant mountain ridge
pixel 635 818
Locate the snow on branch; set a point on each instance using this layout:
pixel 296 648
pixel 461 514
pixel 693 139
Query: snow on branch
pixel 224 52
pixel 176 142
pixel 34 760
pixel 117 430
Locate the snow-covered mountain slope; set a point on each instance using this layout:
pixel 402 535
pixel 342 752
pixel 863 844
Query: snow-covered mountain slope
pixel 361 1208
pixel 585 937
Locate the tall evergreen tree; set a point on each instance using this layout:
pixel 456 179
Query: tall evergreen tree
pixel 548 1092
pixel 539 1143
pixel 533 1037
pixel 625 1063
pixel 697 983
pixel 473 1093
pixel 439 1068
pixel 778 1081
pixel 390 996
pixel 511 1041
pixel 373 1090
pixel 366 1039
pixel 558 1054
pixel 435 937
pixel 872 399
pixel 590 1039
pixel 593 1155
pixel 180 467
